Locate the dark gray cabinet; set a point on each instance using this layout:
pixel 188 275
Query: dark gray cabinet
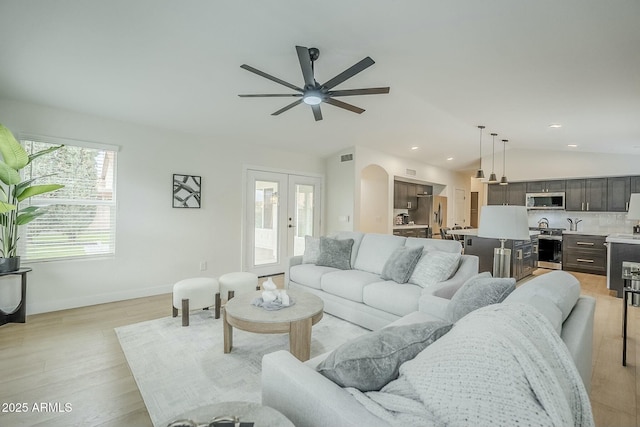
pixel 635 184
pixel 404 195
pixel 512 194
pixel 618 193
pixel 552 186
pixel 620 252
pixel 412 232
pixel 586 194
pixel 584 253
pixel 524 254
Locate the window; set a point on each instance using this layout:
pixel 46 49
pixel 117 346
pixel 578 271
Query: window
pixel 82 216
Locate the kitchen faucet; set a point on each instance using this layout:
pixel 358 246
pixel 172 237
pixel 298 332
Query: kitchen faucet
pixel 573 224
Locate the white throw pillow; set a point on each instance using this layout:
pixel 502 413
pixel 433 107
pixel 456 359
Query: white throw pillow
pixel 311 250
pixel 434 267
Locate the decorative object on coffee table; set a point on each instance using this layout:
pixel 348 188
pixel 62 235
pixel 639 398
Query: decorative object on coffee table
pixel 195 293
pixel 14 159
pixel 187 191
pixel 296 320
pixel 244 412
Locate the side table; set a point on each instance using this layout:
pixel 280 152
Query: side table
pixel 259 415
pixel 18 315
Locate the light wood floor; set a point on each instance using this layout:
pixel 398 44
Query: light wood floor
pixel 73 356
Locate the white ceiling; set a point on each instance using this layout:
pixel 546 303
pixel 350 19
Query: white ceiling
pixel 515 66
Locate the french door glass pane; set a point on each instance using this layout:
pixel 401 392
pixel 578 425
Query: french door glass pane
pixel 303 216
pixel 266 223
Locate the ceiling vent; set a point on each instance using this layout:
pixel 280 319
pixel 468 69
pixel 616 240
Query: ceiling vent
pixel 346 157
pixel 411 172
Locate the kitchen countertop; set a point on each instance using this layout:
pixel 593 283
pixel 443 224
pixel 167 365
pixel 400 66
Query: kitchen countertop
pixel 633 239
pixel 407 226
pixel 587 233
pixel 474 232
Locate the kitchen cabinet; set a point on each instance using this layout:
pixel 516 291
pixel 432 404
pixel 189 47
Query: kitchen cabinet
pixel 412 232
pixel 512 194
pixel 586 195
pixel 635 184
pixel 552 186
pixel 584 253
pixel 618 193
pixel 618 253
pixel 405 195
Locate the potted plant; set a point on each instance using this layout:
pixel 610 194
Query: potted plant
pixel 13 191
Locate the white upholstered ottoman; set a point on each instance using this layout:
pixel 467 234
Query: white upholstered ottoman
pixel 239 282
pixel 195 293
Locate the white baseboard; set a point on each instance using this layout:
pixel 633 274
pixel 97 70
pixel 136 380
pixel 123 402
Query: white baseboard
pixel 46 307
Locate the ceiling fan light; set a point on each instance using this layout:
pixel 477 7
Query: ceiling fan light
pixel 312 99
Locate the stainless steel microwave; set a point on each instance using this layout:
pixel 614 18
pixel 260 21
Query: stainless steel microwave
pixel 545 200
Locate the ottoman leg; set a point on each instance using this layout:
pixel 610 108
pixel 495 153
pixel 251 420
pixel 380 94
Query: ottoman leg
pixel 217 315
pixel 174 311
pixel 230 295
pixel 185 312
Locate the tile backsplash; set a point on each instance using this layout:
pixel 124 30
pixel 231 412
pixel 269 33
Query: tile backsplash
pixel 592 222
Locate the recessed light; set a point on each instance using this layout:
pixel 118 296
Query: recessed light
pixel 555 125
pixel 414 148
pixel 572 145
pixel 449 158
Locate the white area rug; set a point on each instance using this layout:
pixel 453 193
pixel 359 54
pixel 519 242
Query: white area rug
pixel 178 369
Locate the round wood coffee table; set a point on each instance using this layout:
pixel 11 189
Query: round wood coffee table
pixel 295 320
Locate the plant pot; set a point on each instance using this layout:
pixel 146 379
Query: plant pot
pixel 7 265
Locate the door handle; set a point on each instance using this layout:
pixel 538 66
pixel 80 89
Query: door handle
pixel 590 261
pixel 582 206
pixel 292 226
pixel 585 243
pixel 587 205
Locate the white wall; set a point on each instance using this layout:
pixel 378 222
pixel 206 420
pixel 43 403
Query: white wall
pixel 156 244
pixel 340 193
pixel 374 193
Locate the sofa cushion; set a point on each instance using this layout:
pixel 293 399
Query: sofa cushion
pixel 558 287
pixel 335 253
pixel 435 267
pixel 375 250
pixel 347 283
pixel 309 274
pixel 372 360
pixel 392 297
pixel 479 291
pixel 400 264
pixel 452 246
pixel 311 250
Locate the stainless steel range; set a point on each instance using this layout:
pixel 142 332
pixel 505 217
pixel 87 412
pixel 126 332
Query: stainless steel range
pixel 550 247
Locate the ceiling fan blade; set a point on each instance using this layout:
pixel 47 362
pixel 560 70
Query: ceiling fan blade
pixel 305 65
pixel 270 77
pixel 368 91
pixel 344 105
pixel 288 107
pixel 349 72
pixel 317 114
pixel 269 95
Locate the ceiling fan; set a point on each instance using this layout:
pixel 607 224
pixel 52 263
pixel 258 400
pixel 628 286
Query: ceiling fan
pixel 315 93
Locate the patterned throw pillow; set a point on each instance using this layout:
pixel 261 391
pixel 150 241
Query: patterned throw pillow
pixel 401 263
pixel 434 267
pixel 372 360
pixel 311 250
pixel 335 253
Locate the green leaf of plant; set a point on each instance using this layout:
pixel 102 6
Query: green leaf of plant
pixel 6 207
pixel 27 217
pixel 12 152
pixel 37 189
pixel 24 184
pixel 43 152
pixel 8 175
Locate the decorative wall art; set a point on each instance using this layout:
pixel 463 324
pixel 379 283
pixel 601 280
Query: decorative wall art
pixel 186 191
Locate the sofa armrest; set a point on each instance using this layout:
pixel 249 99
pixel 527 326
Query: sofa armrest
pixel 433 305
pixel 469 265
pixel 308 398
pixel 577 334
pixel 293 261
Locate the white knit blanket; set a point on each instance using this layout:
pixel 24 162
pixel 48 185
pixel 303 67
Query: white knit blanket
pixel 502 365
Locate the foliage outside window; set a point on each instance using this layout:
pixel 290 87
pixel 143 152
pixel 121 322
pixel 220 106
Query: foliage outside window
pixel 81 220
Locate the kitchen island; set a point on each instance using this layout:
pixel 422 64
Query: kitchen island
pixel 622 248
pixel 412 230
pixel 524 253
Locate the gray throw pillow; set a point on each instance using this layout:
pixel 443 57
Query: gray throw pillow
pixel 401 263
pixel 435 267
pixel 371 361
pixel 335 253
pixel 478 291
pixel 311 250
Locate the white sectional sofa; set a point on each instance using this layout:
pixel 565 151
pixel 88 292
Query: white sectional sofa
pixel 359 295
pixel 482 371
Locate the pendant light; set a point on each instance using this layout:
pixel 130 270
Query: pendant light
pixel 480 173
pixel 503 180
pixel 492 178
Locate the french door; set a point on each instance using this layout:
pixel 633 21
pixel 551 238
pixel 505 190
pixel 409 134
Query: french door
pixel 281 209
